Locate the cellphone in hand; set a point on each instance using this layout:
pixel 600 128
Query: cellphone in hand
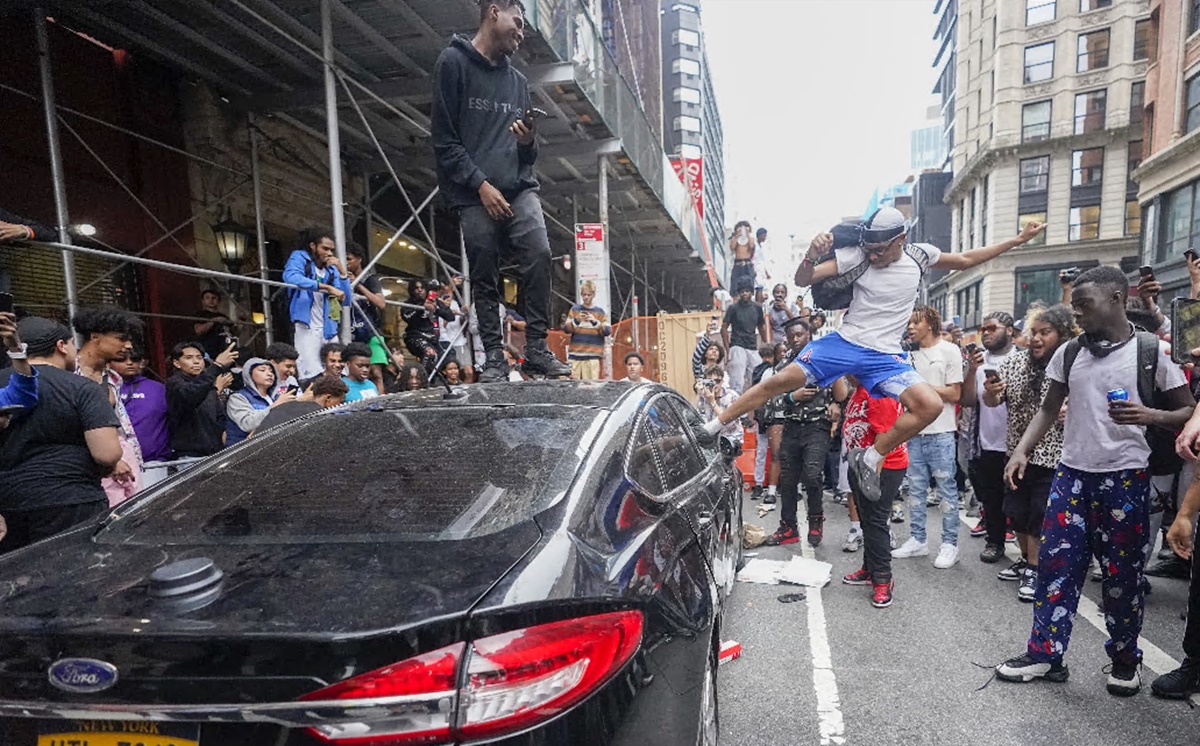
pixel 1146 271
pixel 1191 255
pixel 532 115
pixel 991 374
pixel 972 348
pixel 6 303
pixel 11 410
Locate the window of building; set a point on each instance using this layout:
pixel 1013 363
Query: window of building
pixel 1038 11
pixel 1143 40
pixel 940 304
pixel 1133 218
pixel 1090 110
pixel 1035 175
pixel 1193 16
pixel 1137 102
pixel 1031 217
pixel 1192 104
pixel 1087 167
pixel 685 67
pixel 971 221
pixel 686 96
pixel 968 304
pixel 1037 284
pixel 687 124
pixel 1084 223
pixel 1035 121
pixel 1092 53
pixel 1180 223
pixel 983 213
pixel 1039 62
pixel 1086 5
pixel 1135 155
pixel 685 37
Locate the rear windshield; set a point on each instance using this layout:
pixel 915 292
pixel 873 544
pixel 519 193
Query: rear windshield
pixel 440 474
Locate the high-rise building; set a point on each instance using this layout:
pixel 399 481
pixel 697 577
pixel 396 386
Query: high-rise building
pixel 946 64
pixel 1043 131
pixel 692 129
pixel 1169 176
pixel 928 149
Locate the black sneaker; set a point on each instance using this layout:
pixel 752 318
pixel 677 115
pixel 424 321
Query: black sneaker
pixel 816 530
pixel 769 498
pixel 785 534
pixel 756 492
pixel 1172 567
pixel 1023 669
pixel 1027 590
pixel 1181 683
pixel 991 554
pixel 1124 679
pixel 868 478
pixel 539 360
pixel 495 368
pixel 1015 571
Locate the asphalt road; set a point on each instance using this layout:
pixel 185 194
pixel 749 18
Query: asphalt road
pixel 907 674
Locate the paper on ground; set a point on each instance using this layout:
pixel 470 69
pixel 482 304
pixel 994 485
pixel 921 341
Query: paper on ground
pixel 797 571
pixel 761 571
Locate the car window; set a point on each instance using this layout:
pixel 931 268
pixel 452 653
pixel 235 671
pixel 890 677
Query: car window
pixel 709 447
pixel 663 457
pixel 430 474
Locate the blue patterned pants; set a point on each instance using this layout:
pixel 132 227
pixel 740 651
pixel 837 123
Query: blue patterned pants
pixel 1103 515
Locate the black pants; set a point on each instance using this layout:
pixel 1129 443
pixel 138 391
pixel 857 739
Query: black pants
pixel 741 272
pixel 874 516
pixel 802 460
pixel 27 526
pixel 1191 634
pixel 987 476
pixel 525 234
pixel 833 462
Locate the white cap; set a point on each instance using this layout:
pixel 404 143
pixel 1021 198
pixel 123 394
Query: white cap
pixel 886 219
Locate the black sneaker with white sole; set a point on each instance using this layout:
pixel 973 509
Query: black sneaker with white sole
pixel 1124 680
pixel 1015 571
pixel 867 478
pixel 1023 669
pixel 1027 590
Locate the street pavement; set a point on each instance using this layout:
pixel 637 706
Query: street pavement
pixel 908 674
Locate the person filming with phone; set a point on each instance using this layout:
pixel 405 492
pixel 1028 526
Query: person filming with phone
pixel 484 132
pixel 21 391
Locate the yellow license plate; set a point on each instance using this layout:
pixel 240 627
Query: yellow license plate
pixel 117 733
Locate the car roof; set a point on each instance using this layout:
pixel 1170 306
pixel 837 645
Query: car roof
pixel 592 394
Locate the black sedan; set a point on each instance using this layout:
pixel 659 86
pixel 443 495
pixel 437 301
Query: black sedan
pixel 540 563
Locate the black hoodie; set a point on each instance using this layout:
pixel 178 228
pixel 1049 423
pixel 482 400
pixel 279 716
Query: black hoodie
pixel 474 104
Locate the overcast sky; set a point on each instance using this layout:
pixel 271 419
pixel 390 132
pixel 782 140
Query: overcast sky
pixel 817 98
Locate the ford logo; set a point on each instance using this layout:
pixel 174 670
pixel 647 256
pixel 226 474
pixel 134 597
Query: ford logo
pixel 82 675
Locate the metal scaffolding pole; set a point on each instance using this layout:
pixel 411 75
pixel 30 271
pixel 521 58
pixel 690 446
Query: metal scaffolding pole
pixel 56 166
pixel 335 153
pixel 259 230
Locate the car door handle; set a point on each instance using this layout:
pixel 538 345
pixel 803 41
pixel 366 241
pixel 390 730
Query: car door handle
pixel 706 518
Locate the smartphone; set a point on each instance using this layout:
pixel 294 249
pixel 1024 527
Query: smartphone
pixel 991 374
pixel 972 348
pixel 1191 255
pixel 1146 271
pixel 1068 275
pixel 6 303
pixel 531 115
pixel 1185 329
pixel 11 410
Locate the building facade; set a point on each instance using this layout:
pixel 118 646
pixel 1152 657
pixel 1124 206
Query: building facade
pixel 946 65
pixel 1169 177
pixel 692 128
pixel 1048 126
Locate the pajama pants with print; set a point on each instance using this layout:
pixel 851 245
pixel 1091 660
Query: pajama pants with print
pixel 1103 515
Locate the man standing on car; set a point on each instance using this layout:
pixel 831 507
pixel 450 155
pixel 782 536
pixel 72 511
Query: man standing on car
pixel 485 142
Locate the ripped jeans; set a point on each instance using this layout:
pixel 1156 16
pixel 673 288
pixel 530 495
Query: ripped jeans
pixel 933 456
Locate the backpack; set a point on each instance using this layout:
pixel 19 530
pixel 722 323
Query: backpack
pixel 1163 459
pixel 836 293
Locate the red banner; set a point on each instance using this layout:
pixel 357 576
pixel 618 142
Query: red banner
pixel 691 172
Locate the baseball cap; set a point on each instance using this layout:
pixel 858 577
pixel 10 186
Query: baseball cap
pixel 884 225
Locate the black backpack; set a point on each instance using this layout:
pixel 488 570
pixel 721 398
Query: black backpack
pixel 836 293
pixel 1163 459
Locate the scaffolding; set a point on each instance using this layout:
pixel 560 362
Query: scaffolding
pixel 340 88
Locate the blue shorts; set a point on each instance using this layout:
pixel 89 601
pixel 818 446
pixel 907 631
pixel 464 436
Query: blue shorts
pixel 829 358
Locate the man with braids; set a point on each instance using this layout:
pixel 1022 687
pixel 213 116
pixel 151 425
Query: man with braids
pixel 1099 501
pixel 1018 390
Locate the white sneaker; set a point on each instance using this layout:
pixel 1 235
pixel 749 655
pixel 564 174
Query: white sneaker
pixel 911 548
pixel 947 557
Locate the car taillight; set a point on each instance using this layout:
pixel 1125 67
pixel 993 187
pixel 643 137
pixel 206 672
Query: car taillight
pixel 513 681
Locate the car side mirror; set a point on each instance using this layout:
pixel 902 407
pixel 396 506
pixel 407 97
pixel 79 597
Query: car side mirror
pixel 729 449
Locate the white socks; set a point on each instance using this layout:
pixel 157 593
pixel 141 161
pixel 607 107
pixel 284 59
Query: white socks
pixel 855 527
pixel 873 458
pixel 771 489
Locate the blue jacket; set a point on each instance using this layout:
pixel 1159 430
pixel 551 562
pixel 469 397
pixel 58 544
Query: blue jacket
pixel 20 391
pixel 301 271
pixel 246 408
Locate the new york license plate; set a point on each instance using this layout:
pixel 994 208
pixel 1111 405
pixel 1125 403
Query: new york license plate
pixel 117 733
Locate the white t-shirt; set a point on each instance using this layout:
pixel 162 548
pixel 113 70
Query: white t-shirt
pixel 940 365
pixel 449 331
pixel 883 298
pixel 993 421
pixel 1092 442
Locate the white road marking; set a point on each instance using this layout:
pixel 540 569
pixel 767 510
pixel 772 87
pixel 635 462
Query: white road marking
pixel 1153 657
pixel 829 708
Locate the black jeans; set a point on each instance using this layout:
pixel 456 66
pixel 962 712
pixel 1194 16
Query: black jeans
pixel 1191 634
pixel 987 476
pixel 27 526
pixel 874 515
pixel 802 459
pixel 525 235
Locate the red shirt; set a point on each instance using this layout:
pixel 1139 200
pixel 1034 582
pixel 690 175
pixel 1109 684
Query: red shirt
pixel 866 418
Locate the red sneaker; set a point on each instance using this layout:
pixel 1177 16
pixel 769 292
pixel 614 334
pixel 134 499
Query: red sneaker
pixel 859 577
pixel 979 530
pixel 882 596
pixel 785 534
pixel 816 529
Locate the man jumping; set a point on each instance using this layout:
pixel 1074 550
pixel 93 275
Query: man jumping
pixel 868 343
